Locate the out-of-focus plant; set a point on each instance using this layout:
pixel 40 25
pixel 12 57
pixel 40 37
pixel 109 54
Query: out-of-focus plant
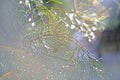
pixel 49 18
pixel 50 28
pixel 6 76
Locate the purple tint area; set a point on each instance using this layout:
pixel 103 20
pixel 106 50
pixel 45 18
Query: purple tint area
pixel 91 46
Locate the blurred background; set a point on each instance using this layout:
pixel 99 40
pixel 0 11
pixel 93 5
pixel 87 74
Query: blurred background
pixel 106 46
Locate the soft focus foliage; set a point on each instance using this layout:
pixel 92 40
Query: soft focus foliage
pixel 49 51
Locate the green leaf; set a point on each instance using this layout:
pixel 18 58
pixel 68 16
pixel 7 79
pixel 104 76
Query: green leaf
pixel 57 1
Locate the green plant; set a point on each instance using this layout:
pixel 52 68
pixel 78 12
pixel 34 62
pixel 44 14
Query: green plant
pixel 48 32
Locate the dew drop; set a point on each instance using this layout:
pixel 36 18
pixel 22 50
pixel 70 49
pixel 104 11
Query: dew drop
pixel 30 19
pixel 33 23
pixel 20 2
pixel 72 26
